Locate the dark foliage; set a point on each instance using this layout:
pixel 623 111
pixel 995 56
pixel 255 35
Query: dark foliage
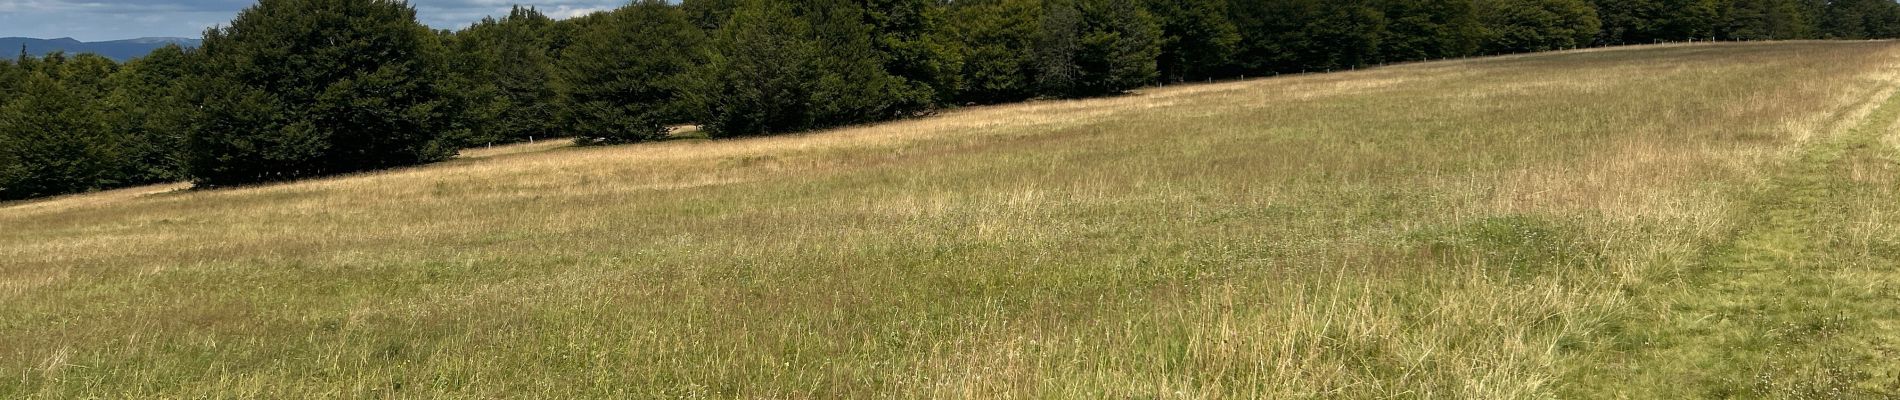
pixel 299 88
pixel 146 106
pixel 1096 47
pixel 504 68
pixel 759 73
pixel 778 67
pixel 620 80
pixel 1198 41
pixel 53 139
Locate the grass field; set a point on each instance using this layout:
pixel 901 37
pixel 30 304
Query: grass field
pixel 1648 222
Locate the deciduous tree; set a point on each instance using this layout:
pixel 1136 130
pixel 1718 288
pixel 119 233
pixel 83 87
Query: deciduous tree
pixel 298 88
pixel 623 78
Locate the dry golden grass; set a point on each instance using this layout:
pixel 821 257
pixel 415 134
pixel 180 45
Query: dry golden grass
pixel 1508 227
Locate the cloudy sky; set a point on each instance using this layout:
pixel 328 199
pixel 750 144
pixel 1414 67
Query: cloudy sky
pixel 96 20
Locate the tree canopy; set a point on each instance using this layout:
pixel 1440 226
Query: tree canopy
pixel 298 88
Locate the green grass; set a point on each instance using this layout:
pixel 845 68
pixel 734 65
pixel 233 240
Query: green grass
pixel 1802 300
pixel 1647 222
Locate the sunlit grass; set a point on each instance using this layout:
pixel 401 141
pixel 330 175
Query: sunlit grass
pixel 1520 226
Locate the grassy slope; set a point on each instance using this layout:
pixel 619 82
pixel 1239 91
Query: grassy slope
pixel 1657 221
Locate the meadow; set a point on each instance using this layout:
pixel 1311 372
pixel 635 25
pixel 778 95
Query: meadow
pixel 1673 221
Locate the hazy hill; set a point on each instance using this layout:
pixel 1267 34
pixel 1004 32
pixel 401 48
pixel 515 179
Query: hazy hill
pixel 116 49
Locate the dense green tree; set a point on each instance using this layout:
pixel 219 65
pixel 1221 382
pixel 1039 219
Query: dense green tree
pixel 776 67
pixel 759 73
pixel 1428 29
pixel 53 139
pixel 82 123
pixel 913 40
pixel 146 111
pixel 297 88
pixel 1691 20
pixel 1627 21
pixel 1303 35
pixel 11 76
pixel 1345 34
pixel 1861 19
pixel 1764 20
pixel 505 67
pixel 562 33
pixel 1513 26
pixel 1198 41
pixel 1267 28
pixel 85 73
pixel 1096 47
pixel 709 15
pixel 991 36
pixel 1649 21
pixel 623 78
pixel 855 83
pixel 467 82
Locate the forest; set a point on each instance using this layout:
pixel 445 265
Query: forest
pixel 292 89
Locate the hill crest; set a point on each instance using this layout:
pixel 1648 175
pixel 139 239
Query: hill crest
pixel 120 50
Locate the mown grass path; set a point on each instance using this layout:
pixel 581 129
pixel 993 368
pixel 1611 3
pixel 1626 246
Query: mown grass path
pixel 1798 303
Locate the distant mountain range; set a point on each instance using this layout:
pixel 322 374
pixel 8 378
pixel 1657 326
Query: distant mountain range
pixel 115 49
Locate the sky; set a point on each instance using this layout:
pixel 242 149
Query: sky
pixel 99 20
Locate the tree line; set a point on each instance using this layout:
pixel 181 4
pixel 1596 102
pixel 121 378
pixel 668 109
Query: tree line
pixel 300 88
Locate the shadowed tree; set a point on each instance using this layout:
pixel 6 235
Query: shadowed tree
pixel 1648 21
pixel 299 88
pixel 53 140
pixel 759 73
pixel 147 111
pixel 1763 20
pixel 1428 29
pixel 1307 35
pixel 505 68
pixel 1096 47
pixel 1197 40
pixel 1861 19
pixel 622 78
pixel 854 83
pixel 1514 26
pixel 777 67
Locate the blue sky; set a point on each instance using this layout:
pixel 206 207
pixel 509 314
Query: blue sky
pixel 96 20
